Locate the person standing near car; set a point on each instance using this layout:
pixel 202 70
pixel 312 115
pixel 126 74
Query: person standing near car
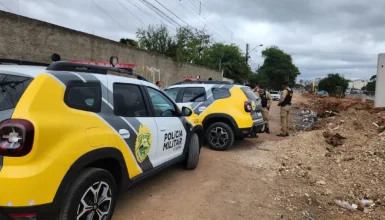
pixel 158 84
pixel 266 101
pixel 285 104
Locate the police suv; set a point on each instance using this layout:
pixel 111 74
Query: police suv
pixel 73 135
pixel 227 111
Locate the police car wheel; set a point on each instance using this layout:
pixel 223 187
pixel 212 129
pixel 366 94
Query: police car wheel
pixel 220 136
pixel 192 159
pixel 92 196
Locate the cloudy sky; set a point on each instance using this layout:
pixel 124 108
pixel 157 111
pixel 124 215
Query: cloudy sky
pixel 323 37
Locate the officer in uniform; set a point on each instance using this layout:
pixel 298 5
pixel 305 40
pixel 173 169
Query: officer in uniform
pixel 285 103
pixel 266 101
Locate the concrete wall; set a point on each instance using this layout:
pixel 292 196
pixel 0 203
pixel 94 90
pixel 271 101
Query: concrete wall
pixel 29 39
pixel 360 96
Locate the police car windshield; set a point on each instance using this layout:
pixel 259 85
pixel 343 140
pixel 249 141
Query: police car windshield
pixel 274 92
pixel 11 89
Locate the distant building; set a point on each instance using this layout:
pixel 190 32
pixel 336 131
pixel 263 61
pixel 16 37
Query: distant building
pixel 305 82
pixel 357 84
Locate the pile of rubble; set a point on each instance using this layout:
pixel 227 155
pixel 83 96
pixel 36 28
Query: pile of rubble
pixel 336 170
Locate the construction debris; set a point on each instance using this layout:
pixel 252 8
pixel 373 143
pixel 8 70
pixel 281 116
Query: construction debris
pixel 333 139
pixel 345 155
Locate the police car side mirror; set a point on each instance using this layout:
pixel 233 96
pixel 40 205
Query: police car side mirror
pixel 186 111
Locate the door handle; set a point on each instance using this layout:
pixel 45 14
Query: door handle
pixel 124 133
pixel 162 129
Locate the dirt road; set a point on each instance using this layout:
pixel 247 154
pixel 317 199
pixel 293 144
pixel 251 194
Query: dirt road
pixel 236 184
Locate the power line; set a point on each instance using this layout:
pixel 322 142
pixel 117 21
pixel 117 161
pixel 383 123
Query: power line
pixel 108 15
pixel 172 13
pixel 149 13
pixel 224 26
pixel 160 12
pixel 214 32
pixel 130 12
pixel 146 13
pixel 199 12
pixel 210 14
pixel 6 7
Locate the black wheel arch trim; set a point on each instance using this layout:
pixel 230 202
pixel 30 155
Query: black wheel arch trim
pixel 234 124
pixel 87 159
pixel 195 129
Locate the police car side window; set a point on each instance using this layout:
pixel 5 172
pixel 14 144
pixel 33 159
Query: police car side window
pixel 220 93
pixel 194 94
pixel 162 105
pixel 86 96
pixel 128 101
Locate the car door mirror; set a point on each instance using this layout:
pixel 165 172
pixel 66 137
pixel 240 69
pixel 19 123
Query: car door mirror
pixel 186 111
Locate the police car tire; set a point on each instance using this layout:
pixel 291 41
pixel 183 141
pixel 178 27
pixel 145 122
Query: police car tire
pixel 192 159
pixel 229 131
pixel 85 180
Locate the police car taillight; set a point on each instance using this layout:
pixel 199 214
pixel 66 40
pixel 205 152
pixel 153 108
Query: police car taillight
pixel 23 216
pixel 247 106
pixel 16 137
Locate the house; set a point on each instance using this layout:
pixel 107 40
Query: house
pixel 357 84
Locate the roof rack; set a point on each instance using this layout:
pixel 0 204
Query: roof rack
pixel 203 82
pixel 77 66
pixel 89 68
pixel 22 62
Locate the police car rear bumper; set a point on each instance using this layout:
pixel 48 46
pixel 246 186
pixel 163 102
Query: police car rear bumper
pixel 257 127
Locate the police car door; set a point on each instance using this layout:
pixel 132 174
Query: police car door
pixel 130 118
pixel 171 132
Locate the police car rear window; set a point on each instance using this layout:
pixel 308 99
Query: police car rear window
pixel 86 96
pixel 11 89
pixel 249 94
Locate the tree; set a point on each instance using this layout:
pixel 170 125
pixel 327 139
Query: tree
pixel 157 39
pixel 194 46
pixel 229 58
pixel 190 44
pixel 334 84
pixel 128 41
pixel 186 46
pixel 278 68
pixel 371 86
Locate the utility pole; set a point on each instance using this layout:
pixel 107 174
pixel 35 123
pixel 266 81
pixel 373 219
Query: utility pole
pixel 247 53
pixel 220 64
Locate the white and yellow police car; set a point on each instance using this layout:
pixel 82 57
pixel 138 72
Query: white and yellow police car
pixel 73 135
